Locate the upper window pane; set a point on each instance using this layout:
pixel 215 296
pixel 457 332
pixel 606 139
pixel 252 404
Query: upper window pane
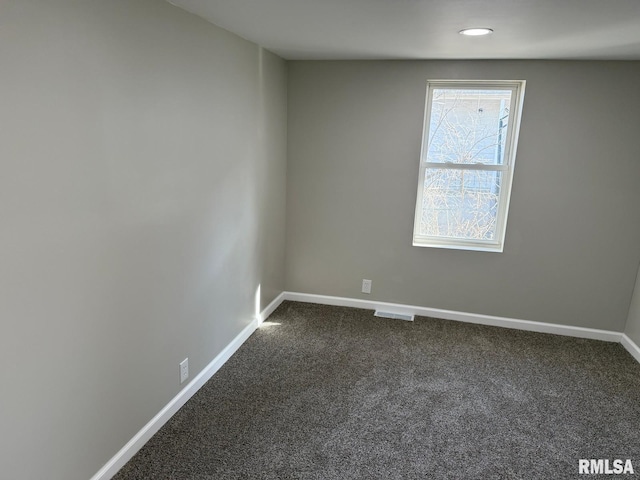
pixel 468 126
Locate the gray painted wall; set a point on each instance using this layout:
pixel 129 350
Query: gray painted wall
pixel 633 320
pixel 143 157
pixel 571 248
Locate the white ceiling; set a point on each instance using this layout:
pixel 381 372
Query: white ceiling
pixel 428 29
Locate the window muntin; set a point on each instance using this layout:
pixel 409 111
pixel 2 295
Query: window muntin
pixel 466 168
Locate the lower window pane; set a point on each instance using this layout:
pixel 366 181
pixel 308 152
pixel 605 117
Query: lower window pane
pixel 460 203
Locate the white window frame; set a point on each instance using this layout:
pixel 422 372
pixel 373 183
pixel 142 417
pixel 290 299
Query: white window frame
pixel 515 112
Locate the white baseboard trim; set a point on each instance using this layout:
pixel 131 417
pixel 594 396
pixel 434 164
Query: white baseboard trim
pixel 143 436
pixel 631 347
pixel 271 307
pixel 541 327
pixel 137 442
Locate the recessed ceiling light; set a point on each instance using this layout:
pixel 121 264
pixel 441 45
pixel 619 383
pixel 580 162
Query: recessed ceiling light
pixel 474 32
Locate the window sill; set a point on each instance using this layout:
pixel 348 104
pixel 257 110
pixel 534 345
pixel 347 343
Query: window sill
pixel 479 247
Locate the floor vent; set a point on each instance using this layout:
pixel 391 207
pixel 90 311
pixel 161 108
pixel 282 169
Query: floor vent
pixel 397 316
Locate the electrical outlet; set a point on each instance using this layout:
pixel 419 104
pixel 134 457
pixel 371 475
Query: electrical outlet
pixel 366 285
pixel 184 370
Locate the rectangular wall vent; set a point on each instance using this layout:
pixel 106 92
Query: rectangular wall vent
pixel 397 316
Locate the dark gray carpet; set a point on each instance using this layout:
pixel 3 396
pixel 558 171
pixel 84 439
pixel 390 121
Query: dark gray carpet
pixel 335 393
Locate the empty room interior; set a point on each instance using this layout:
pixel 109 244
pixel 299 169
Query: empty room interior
pixel 204 202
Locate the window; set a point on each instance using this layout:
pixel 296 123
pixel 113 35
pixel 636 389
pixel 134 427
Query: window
pixel 466 165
